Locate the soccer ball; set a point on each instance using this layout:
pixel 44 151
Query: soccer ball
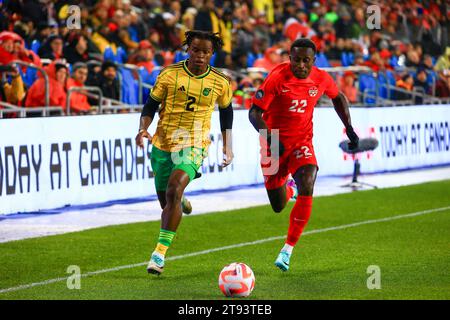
pixel 236 280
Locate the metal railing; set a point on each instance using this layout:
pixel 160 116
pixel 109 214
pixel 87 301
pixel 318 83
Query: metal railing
pixel 86 88
pixel 44 74
pixel 22 112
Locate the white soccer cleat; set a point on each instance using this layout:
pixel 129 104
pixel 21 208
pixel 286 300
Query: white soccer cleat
pixel 156 264
pixel 186 206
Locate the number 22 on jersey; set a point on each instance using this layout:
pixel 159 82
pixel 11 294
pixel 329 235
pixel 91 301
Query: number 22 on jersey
pixel 298 105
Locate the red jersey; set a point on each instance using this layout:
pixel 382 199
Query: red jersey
pixel 288 102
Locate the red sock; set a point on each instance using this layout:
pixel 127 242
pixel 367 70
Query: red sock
pixel 289 192
pixel 299 218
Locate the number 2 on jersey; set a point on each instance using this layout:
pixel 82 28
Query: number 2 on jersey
pixel 190 101
pixel 298 106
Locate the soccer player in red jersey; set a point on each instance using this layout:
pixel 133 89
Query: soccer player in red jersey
pixel 284 104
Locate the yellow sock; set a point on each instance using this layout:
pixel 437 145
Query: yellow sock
pixel 162 249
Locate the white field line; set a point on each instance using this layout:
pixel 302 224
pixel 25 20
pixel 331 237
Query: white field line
pixel 345 226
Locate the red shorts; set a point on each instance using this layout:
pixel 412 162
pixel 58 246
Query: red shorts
pixel 276 171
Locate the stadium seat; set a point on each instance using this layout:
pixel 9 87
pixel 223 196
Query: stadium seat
pixel 109 55
pixel 432 78
pixel 347 59
pixel 35 45
pixel 251 58
pixel 213 60
pixel 130 90
pixel 134 34
pixel 180 55
pixel 322 61
pixel 367 85
pixel 121 56
pixel 29 76
pixel 385 81
pixel 154 74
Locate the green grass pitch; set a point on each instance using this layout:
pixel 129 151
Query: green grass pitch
pixel 413 253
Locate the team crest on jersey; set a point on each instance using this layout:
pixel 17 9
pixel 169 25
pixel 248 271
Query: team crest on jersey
pixel 206 91
pixel 313 91
pixel 259 94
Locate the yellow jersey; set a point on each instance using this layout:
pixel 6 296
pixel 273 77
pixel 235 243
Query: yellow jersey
pixel 187 103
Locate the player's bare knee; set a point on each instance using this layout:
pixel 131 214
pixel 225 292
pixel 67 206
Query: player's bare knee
pixel 174 193
pixel 307 188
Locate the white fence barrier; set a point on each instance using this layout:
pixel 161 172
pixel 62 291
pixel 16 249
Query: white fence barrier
pixel 48 163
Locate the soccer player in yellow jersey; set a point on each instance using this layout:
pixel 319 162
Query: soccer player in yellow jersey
pixel 187 92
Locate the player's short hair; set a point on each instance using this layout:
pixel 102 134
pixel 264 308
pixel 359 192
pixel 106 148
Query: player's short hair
pixel 304 43
pixel 216 41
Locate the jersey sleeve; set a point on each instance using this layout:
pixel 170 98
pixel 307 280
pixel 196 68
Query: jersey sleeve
pixel 227 94
pixel 266 92
pixel 331 89
pixel 159 90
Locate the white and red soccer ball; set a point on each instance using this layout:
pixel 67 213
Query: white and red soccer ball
pixel 236 280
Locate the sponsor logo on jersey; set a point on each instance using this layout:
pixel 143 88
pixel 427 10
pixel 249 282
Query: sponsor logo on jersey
pixel 313 91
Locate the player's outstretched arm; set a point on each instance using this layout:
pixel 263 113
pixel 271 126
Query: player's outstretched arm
pixel 148 112
pixel 226 125
pixel 341 106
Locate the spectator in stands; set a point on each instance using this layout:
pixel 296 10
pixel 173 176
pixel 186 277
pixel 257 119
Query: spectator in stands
pixel 386 55
pixel 240 59
pixel 24 54
pixel 376 63
pixel 52 48
pixel 99 16
pixel 348 87
pixel 420 80
pixel 427 62
pixel 245 39
pixel 404 83
pixel 443 63
pixel 57 73
pixel 443 84
pixel 11 92
pixel 78 101
pixel 243 94
pixel 42 32
pixel 336 50
pixel 168 35
pixel 137 29
pixel 107 81
pixel 102 39
pixel 120 34
pixel 284 56
pixel 359 26
pixel 412 58
pixel 269 61
pixel 76 49
pixel 344 25
pixel 7 47
pixel 144 56
pixel 153 37
pixel 209 18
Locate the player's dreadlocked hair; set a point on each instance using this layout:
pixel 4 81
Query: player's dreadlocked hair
pixel 204 35
pixel 304 43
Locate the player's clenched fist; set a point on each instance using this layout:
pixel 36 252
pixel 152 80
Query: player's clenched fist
pixel 140 137
pixel 227 156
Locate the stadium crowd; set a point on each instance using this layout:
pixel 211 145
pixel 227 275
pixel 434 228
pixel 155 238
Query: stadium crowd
pixel 409 49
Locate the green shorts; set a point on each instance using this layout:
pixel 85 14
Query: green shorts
pixel 164 163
